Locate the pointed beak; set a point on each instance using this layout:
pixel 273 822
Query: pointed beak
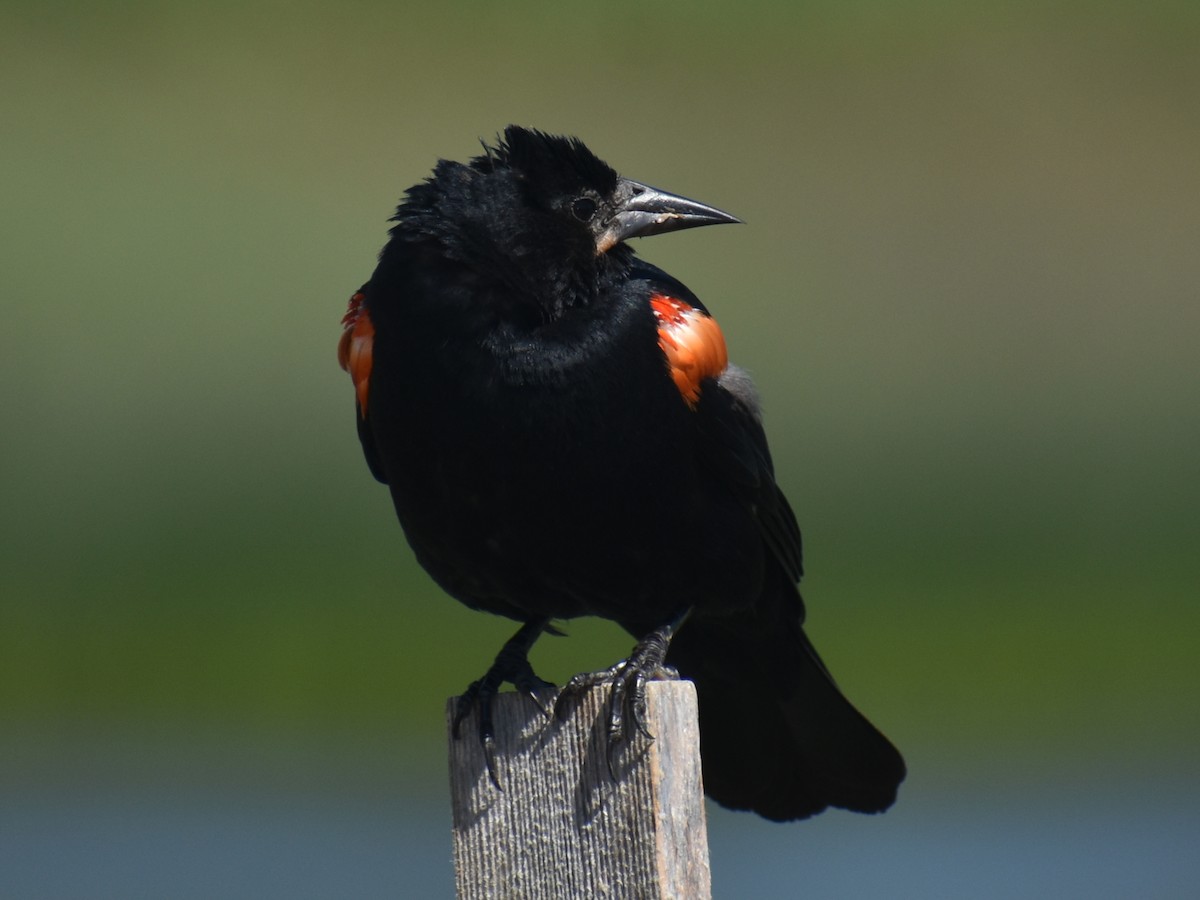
pixel 644 210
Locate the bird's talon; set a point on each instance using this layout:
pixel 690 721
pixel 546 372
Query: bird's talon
pixel 511 665
pixel 537 701
pixel 639 718
pixel 610 756
pixel 489 758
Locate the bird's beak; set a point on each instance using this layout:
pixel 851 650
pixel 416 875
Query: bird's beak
pixel 644 211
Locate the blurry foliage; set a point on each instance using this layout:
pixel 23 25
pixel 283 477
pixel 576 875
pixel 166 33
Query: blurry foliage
pixel 968 290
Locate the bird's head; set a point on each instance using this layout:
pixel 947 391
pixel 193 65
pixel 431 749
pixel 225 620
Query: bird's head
pixel 575 192
pixel 543 206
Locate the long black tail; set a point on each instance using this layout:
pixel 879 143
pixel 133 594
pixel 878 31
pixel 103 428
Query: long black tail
pixel 776 735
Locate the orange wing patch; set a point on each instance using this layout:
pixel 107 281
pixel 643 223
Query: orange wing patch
pixel 692 342
pixel 355 347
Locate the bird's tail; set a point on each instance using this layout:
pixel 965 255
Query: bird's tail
pixel 776 735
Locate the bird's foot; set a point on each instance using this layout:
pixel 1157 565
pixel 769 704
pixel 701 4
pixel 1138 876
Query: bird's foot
pixel 511 665
pixel 628 679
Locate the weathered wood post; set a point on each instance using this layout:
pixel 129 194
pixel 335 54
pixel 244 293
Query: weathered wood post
pixel 562 828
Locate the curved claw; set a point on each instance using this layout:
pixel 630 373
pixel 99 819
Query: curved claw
pixel 489 757
pixel 581 683
pixel 480 693
pixel 639 700
pixel 628 679
pixel 532 693
pixel 511 665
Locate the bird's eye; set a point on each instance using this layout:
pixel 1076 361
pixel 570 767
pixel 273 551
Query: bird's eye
pixel 583 208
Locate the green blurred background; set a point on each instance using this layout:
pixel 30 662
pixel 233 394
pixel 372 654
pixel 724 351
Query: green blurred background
pixel 968 288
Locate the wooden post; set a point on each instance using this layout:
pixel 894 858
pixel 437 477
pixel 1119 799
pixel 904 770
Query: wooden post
pixel 562 828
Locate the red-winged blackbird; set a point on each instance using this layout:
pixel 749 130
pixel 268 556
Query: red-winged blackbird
pixel 563 436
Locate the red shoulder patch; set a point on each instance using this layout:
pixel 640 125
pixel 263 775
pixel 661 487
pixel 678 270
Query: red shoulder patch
pixel 355 347
pixel 692 342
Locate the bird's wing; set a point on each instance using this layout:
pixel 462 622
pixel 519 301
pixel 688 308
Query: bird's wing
pixel 726 406
pixel 355 355
pixel 736 446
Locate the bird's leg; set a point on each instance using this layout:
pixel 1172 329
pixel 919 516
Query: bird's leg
pixel 628 679
pixel 511 665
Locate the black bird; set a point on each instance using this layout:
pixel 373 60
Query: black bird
pixel 563 436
